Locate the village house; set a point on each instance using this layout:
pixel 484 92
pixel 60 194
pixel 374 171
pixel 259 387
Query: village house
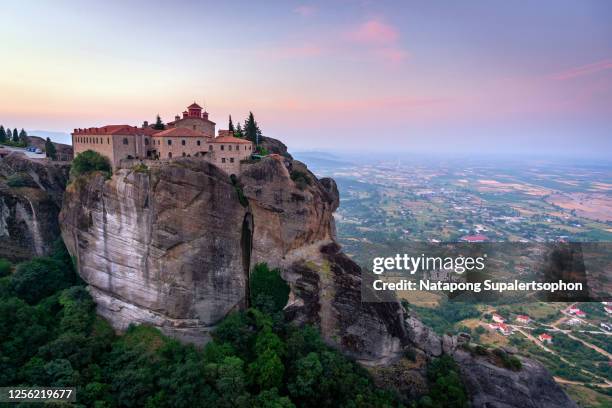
pixel 497 318
pixel 545 338
pixel 523 319
pixel 575 311
pixel 192 135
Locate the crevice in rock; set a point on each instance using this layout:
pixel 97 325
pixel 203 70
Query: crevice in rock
pixel 246 245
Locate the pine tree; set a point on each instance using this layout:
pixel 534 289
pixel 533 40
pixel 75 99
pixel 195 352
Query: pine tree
pixel 251 130
pixel 15 135
pixel 159 125
pixel 2 134
pixel 231 124
pixel 50 149
pixel 23 137
pixel 238 132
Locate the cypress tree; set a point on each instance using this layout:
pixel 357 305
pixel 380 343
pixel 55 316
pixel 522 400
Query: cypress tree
pixel 2 134
pixel 15 135
pixel 159 125
pixel 251 129
pixel 231 124
pixel 23 137
pixel 50 149
pixel 238 132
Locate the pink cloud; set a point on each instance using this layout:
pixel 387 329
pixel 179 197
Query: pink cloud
pixel 380 39
pixel 583 70
pixel 305 10
pixel 374 32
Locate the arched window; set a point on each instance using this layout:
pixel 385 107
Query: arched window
pixel 169 155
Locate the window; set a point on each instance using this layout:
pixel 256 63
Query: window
pixel 223 160
pixel 222 147
pixel 231 159
pixel 108 140
pixel 198 142
pixel 237 147
pixel 169 142
pixel 229 148
pixel 250 148
pixel 183 142
pixel 146 142
pixel 210 147
pixel 184 154
pixel 125 141
pixel 194 127
pixel 169 155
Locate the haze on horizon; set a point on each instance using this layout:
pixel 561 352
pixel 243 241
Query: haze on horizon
pixel 442 76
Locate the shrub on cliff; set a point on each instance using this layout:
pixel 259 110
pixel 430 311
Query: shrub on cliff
pixel 89 161
pixel 269 292
pixel 5 267
pixel 41 277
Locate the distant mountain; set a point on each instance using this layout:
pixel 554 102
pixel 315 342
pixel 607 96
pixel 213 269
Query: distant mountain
pixel 58 137
pixel 317 159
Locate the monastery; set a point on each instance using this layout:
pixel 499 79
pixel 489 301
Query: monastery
pixel 192 135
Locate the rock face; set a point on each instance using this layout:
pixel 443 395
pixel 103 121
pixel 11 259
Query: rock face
pixel 488 384
pixel 493 387
pixel 173 245
pixel 31 194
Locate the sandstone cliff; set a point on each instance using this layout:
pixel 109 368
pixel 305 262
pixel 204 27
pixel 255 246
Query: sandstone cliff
pixel 173 245
pixel 30 200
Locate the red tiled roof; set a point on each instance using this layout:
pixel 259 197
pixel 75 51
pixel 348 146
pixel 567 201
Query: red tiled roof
pixel 112 130
pixel 545 336
pixel 474 238
pixel 179 132
pixel 229 139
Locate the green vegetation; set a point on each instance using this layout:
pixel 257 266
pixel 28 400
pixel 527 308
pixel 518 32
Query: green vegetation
pixel 508 361
pixel 269 292
pixel 300 178
pixel 251 129
pixel 50 149
pixel 140 168
pixel 90 161
pixel 13 138
pixel 241 197
pixel 20 179
pixel 159 125
pixel 5 267
pixel 443 318
pixel 445 385
pixel 50 336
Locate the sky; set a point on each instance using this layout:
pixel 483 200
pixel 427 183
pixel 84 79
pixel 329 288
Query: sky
pixel 516 77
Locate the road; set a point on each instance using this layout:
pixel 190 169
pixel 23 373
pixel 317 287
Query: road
pixel 30 155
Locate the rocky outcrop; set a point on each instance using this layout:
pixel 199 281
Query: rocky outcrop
pixel 491 386
pixel 172 246
pixel 31 194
